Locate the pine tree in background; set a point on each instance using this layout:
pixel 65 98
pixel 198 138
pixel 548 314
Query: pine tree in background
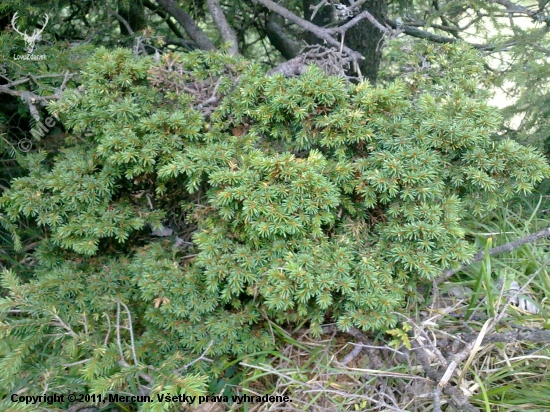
pixel 309 200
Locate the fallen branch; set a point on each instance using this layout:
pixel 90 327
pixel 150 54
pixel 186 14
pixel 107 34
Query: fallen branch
pixel 316 388
pixel 458 399
pixel 535 336
pixel 352 355
pixel 507 247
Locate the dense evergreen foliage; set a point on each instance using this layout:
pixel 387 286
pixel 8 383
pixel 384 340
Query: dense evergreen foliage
pixel 306 200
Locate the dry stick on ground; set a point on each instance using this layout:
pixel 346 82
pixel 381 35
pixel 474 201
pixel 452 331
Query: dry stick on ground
pixel 419 348
pixel 352 355
pixel 457 397
pixel 471 348
pixel 535 336
pixel 441 378
pixel 312 388
pixel 508 247
pixel 373 356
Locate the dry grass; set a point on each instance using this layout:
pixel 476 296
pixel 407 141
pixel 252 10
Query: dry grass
pixel 480 342
pixel 482 363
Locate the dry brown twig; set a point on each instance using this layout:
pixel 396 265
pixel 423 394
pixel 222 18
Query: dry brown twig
pixel 32 99
pixel 440 362
pixel 471 349
pixel 171 75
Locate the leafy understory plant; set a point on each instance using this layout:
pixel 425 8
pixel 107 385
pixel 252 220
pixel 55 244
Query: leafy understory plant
pixel 307 199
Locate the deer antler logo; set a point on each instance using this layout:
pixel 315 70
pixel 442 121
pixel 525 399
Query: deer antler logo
pixel 31 40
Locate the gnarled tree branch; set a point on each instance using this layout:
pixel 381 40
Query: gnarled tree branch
pixel 320 32
pixel 227 33
pixel 363 15
pixel 32 98
pixel 190 27
pixel 280 40
pixel 156 9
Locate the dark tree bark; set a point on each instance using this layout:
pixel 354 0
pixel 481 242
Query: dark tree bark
pixel 321 19
pixel 366 39
pixel 287 46
pixel 134 13
pixel 363 37
pixel 188 24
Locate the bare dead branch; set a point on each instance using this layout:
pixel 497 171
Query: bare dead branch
pixel 290 68
pixel 122 361
pixel 202 357
pixel 108 330
pixel 171 75
pixel 320 32
pixel 512 7
pixel 32 99
pixel 68 365
pixel 315 9
pixel 332 61
pixel 352 355
pixel 490 325
pixel 316 388
pixel 363 15
pixel 62 324
pixel 130 329
pixel 143 390
pixel 535 336
pixel 508 247
pixel 373 355
pixel 122 20
pixel 456 396
pixel 129 29
pixel 437 399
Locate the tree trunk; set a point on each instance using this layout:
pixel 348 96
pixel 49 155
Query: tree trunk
pixel 134 13
pixel 321 19
pixel 363 37
pixel 366 39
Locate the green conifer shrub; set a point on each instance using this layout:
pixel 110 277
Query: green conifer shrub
pixel 310 199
